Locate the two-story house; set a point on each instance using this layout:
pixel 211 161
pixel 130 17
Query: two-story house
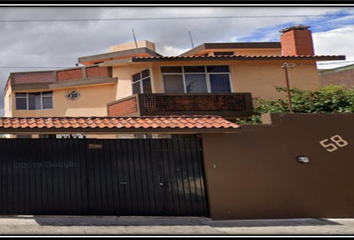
pixel 133 79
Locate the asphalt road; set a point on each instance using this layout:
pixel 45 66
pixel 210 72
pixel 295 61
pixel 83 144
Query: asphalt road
pixel 92 225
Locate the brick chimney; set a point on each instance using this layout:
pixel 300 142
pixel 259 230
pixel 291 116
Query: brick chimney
pixel 296 40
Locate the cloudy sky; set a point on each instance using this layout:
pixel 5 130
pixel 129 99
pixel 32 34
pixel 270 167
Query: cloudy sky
pixel 59 44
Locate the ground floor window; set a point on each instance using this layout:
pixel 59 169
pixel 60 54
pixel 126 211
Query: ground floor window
pixel 142 82
pixel 196 79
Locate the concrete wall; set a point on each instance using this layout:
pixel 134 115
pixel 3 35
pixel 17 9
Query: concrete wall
pixel 342 76
pixel 255 174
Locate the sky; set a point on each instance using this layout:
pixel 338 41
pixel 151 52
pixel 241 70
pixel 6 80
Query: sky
pixel 59 44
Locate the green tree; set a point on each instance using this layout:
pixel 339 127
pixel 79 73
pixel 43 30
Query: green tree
pixel 329 99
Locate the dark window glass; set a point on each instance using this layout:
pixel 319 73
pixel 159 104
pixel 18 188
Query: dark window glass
pixel 171 69
pixel 47 94
pixel 145 73
pixel 21 103
pixel 34 101
pixel 218 68
pixel 173 83
pixel 136 88
pixel 21 94
pixel 47 102
pixel 147 85
pixel 23 136
pixel 220 83
pixel 196 83
pixel 136 77
pixel 194 69
pixel 223 53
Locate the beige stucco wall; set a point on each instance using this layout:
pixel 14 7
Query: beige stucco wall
pixel 92 102
pixel 261 78
pixel 258 77
pixel 7 110
pixel 124 75
pixel 132 45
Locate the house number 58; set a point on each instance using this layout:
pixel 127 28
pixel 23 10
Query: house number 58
pixel 333 143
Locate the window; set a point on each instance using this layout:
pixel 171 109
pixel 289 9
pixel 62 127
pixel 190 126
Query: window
pixel 223 53
pixel 21 101
pixel 142 82
pixel 10 103
pixel 34 101
pixel 196 79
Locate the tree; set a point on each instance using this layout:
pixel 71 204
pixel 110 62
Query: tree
pixel 329 99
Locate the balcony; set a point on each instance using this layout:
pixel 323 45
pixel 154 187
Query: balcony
pixel 228 105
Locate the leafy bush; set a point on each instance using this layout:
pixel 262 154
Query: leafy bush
pixel 329 99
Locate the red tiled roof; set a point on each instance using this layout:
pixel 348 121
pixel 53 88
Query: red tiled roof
pixel 242 57
pixel 175 122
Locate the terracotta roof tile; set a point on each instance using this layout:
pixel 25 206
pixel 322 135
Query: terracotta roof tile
pixel 118 122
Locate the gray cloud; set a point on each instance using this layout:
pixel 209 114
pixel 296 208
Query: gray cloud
pixel 59 44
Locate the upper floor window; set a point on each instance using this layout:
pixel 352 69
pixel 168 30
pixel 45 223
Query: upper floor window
pixel 34 101
pixel 196 79
pixel 142 82
pixel 10 102
pixel 223 53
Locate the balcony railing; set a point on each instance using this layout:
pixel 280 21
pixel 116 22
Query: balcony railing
pixel 230 105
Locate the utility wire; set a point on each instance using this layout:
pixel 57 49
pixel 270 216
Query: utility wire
pixel 169 18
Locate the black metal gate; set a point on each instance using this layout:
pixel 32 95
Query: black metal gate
pixel 151 177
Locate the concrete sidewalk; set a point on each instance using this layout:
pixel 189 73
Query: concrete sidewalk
pixel 84 225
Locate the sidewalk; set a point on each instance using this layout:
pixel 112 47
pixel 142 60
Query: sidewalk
pixel 72 225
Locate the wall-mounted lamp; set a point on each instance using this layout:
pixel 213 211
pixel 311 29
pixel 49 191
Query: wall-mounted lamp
pixel 302 159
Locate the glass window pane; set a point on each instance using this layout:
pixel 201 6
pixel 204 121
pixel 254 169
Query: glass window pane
pixel 21 94
pixel 223 53
pixel 136 88
pixel 47 102
pixel 136 77
pixel 171 69
pixel 34 101
pixel 147 85
pixel 21 103
pixel 194 69
pixel 196 83
pixel 145 73
pixel 173 83
pixel 220 83
pixel 218 68
pixel 47 94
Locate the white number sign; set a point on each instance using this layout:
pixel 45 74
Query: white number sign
pixel 333 143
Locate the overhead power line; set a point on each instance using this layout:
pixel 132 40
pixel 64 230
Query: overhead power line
pixel 170 18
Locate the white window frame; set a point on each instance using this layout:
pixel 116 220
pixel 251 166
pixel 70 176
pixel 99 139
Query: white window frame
pixel 27 101
pixel 140 81
pixel 207 76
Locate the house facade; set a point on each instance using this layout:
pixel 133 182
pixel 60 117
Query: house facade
pixel 133 79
